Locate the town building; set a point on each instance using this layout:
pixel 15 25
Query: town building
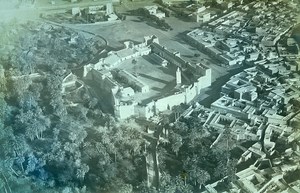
pixel 153 10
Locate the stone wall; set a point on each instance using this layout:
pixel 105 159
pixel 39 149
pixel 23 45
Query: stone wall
pixel 124 111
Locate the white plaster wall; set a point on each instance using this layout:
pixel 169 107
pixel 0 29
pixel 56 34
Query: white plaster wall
pixel 124 111
pixel 162 104
pixel 206 17
pixel 140 111
pixel 205 81
pixel 190 93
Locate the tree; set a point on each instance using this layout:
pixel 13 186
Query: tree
pixel 119 186
pixel 180 128
pixel 81 171
pixel 231 170
pixel 33 163
pixel 19 86
pixel 195 139
pixel 16 149
pixel 3 110
pixel 58 107
pixel 196 174
pixel 34 123
pixel 229 141
pixel 92 103
pixel 227 168
pixel 220 170
pixel 54 83
pixel 199 176
pixel 176 142
pixel 28 101
pixel 3 80
pixel 4 184
pixel 178 110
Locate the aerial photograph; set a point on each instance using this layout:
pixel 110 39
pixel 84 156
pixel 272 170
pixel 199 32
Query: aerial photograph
pixel 150 96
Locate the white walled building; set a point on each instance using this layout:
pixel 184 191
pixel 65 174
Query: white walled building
pixel 153 10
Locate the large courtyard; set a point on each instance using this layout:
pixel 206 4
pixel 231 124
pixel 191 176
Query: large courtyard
pixel 161 80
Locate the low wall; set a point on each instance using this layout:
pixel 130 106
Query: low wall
pixel 103 23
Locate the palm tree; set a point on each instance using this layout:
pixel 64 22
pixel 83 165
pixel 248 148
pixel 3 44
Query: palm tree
pixel 199 176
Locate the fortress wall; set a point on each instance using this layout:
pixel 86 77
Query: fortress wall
pixel 184 97
pixel 169 101
pixel 170 57
pixel 124 111
pixel 205 81
pixel 105 86
pixel 104 82
pixel 191 92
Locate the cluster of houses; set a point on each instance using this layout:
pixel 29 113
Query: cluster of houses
pixel 248 33
pixel 258 110
pixel 259 104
